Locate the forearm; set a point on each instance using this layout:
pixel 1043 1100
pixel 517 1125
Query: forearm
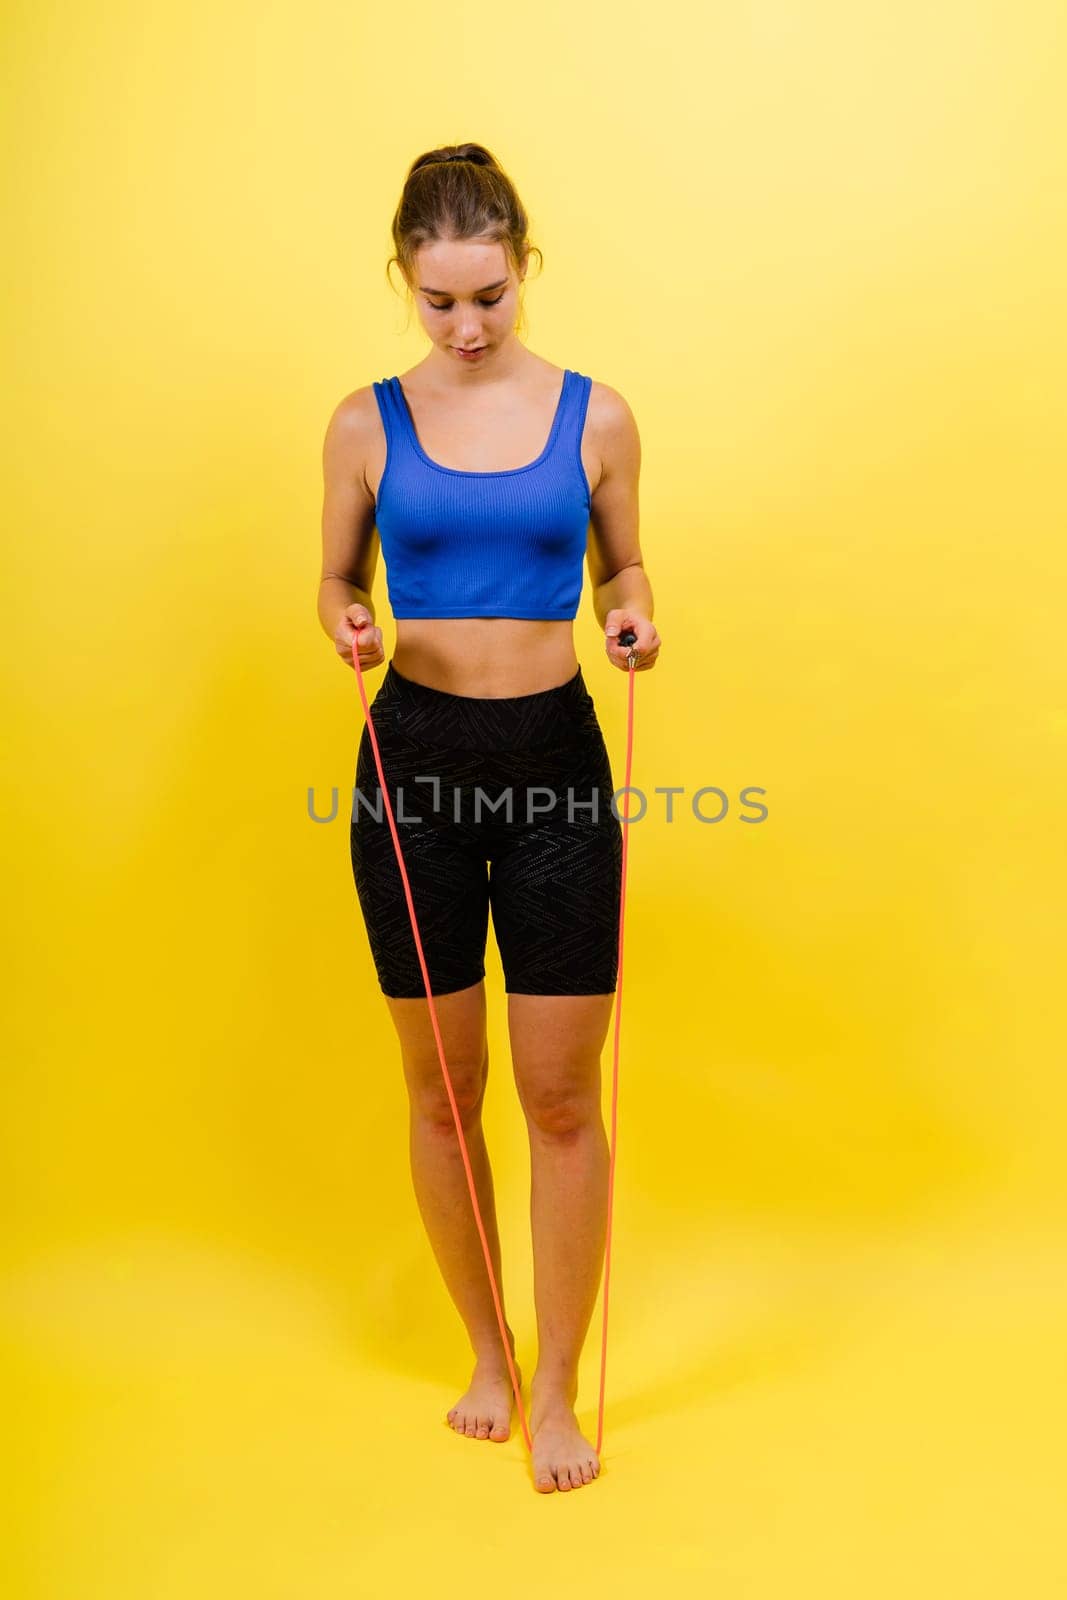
pixel 628 589
pixel 335 597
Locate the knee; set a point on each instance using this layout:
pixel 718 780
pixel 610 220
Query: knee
pixel 429 1097
pixel 561 1111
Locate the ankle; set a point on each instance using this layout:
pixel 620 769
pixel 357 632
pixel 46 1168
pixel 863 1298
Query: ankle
pixel 489 1351
pixel 549 1390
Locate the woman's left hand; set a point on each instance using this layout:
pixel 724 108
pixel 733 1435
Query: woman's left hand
pixel 646 644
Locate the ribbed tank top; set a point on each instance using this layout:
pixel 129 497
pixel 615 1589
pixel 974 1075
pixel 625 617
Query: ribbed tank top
pixel 484 544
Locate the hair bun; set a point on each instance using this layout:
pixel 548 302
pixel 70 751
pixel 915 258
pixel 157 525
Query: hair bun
pixel 477 154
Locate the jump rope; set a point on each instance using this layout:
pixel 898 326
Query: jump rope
pixel 627 637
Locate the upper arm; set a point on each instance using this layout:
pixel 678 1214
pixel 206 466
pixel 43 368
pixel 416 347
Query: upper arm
pixel 612 542
pixel 350 541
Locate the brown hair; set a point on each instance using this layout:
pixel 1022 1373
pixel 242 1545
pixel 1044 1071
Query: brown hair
pixel 458 191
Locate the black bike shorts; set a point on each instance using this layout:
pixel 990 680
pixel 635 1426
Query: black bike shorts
pixel 501 802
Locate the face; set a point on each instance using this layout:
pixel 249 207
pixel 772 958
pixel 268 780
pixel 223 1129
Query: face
pixel 468 297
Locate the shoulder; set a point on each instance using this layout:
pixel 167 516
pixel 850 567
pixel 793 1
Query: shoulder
pixel 353 429
pixel 355 414
pixel 611 423
pixel 609 411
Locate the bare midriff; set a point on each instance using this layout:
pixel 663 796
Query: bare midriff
pixel 486 657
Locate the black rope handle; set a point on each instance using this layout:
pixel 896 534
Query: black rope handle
pixel 628 636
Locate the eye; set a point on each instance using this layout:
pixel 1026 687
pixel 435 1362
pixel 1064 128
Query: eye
pixel 448 303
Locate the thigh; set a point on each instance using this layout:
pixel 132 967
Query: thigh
pixel 446 873
pixel 556 875
pixel 556 1045
pixel 461 1018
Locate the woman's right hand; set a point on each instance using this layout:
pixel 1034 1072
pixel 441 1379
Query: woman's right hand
pixel 356 627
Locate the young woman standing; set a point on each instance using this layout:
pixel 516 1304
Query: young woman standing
pixel 487 475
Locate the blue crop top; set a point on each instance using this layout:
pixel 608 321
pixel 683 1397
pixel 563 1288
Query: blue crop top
pixel 484 544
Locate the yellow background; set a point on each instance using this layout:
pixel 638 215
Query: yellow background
pixel 819 248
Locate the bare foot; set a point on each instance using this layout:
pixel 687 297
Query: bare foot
pixel 484 1412
pixel 563 1458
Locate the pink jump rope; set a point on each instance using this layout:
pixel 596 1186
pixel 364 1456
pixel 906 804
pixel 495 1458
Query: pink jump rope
pixel 627 637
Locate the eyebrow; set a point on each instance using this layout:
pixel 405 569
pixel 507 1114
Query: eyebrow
pixel 448 296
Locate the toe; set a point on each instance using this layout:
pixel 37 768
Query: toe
pixel 500 1430
pixel 483 1427
pixel 545 1482
pixel 586 1471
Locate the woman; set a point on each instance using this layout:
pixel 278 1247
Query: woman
pixel 488 474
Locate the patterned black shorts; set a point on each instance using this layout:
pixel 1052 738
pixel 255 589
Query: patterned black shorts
pixel 503 803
